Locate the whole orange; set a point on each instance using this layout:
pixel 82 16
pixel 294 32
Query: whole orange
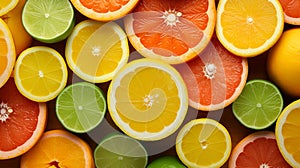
pixel 283 62
pixel 13 19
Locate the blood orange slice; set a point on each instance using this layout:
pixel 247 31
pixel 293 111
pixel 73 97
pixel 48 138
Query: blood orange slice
pixel 215 78
pixel 173 31
pixel 291 11
pixel 22 121
pixel 258 149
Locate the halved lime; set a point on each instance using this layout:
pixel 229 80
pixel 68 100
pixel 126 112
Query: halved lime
pixel 80 107
pixel 48 21
pixel 120 151
pixel 168 161
pixel 259 104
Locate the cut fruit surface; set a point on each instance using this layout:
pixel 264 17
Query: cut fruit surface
pixel 203 143
pixel 80 107
pixel 249 28
pixel 287 132
pixel 215 78
pixel 7 53
pixel 22 121
pixel 59 148
pixel 120 151
pixel 291 11
pixel 172 31
pixel 95 51
pixel 40 73
pixel 258 149
pixel 103 10
pixel 148 99
pixel 7 5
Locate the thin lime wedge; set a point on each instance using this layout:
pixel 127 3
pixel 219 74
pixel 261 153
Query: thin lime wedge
pixel 120 151
pixel 48 21
pixel 259 104
pixel 80 107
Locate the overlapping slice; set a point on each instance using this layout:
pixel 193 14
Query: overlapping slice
pixel 147 99
pixel 172 31
pixel 291 11
pixel 95 51
pixel 7 5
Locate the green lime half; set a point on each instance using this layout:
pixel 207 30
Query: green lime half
pixel 80 107
pixel 120 151
pixel 166 162
pixel 48 21
pixel 259 104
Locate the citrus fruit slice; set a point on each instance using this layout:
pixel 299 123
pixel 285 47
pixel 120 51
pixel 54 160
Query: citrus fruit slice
pixel 120 151
pixel 22 121
pixel 80 107
pixel 291 11
pixel 284 54
pixel 102 10
pixel 48 21
pixel 59 148
pixel 40 73
pixel 7 5
pixel 7 53
pixel 147 99
pixel 258 149
pixel 95 51
pixel 174 32
pixel 287 133
pixel 167 161
pixel 249 28
pixel 203 142
pixel 259 104
pixel 215 78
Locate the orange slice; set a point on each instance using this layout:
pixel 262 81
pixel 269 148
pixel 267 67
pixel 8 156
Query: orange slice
pixel 22 121
pixel 249 28
pixel 215 78
pixel 7 5
pixel 171 31
pixel 7 53
pixel 103 10
pixel 291 11
pixel 59 148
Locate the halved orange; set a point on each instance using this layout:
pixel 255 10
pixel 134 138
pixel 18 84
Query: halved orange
pixel 291 11
pixel 7 5
pixel 249 27
pixel 22 121
pixel 7 53
pixel 215 78
pixel 59 148
pixel 103 10
pixel 172 31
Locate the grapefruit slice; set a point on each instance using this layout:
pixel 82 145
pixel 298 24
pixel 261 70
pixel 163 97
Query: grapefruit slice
pixel 258 149
pixel 172 31
pixel 291 11
pixel 22 121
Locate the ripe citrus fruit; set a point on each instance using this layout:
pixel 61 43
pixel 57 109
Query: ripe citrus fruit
pixel 22 121
pixel 147 99
pixel 291 11
pixel 95 51
pixel 59 148
pixel 7 5
pixel 80 107
pixel 258 149
pixel 171 31
pixel 102 10
pixel 259 104
pixel 287 132
pixel 13 19
pixel 249 28
pixel 7 53
pixel 167 161
pixel 120 151
pixel 48 21
pixel 203 143
pixel 40 73
pixel 282 62
pixel 215 78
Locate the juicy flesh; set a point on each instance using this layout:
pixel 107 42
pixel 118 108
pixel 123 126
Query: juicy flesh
pixel 104 6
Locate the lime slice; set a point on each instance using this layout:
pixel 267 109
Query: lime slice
pixel 168 161
pixel 120 151
pixel 259 104
pixel 48 21
pixel 80 107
